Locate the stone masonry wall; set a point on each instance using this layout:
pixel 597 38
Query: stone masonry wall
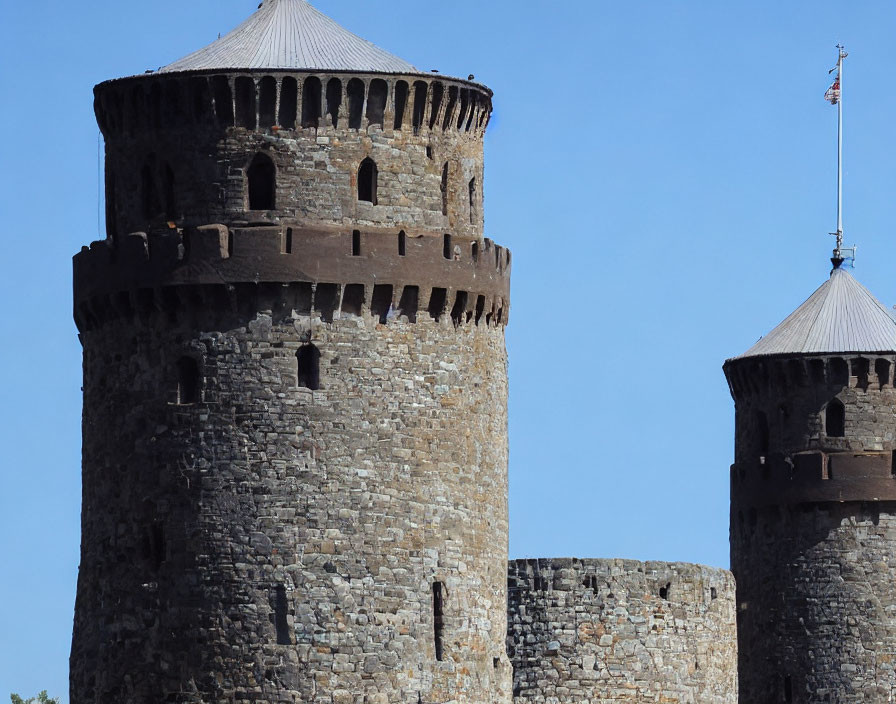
pixel 621 631
pixel 273 543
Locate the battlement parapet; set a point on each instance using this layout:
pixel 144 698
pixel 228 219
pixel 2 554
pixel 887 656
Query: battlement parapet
pixel 378 273
pixel 263 100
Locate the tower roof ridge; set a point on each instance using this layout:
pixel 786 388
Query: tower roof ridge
pixel 291 34
pixel 840 316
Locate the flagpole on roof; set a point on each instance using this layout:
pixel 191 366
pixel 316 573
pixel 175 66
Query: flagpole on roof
pixel 834 95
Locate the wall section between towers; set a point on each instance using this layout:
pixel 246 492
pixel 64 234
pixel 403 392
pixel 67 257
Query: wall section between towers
pixel 603 631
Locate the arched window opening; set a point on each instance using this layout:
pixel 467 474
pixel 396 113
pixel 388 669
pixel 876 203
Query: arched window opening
pixel 202 99
pixel 367 181
pixel 402 244
pixel 438 91
pixel 464 106
pixel 169 193
pixel 289 103
pixel 311 91
pixel 420 91
pixel 471 189
pixel 444 189
pixel 223 100
pixel 308 361
pixel 267 102
pixel 835 419
pixel 188 383
pixel 449 110
pixel 149 194
pixel 376 102
pixel 262 183
pixel 245 102
pixel 762 435
pixel 474 251
pixel 334 100
pixel 355 103
pixel 401 102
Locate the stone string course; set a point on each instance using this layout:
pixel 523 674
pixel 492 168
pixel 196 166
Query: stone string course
pixel 621 631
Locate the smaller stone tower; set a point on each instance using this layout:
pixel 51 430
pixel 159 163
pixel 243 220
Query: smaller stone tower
pixel 813 502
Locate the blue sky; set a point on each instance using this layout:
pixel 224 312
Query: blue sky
pixel 663 172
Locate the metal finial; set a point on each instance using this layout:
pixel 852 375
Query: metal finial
pixel 834 95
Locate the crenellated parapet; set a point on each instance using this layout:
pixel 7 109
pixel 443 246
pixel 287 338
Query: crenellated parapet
pixel 306 270
pixel 264 146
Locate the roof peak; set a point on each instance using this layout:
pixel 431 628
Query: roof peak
pixel 291 35
pixel 840 316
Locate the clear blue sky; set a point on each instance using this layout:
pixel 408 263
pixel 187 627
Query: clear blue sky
pixel 663 171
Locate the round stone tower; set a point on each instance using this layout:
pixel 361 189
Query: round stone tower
pixel 813 502
pixel 294 431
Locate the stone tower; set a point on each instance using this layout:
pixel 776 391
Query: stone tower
pixel 294 431
pixel 813 502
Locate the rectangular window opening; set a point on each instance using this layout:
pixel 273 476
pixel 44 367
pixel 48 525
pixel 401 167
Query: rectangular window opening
pixel 437 301
pixel 353 299
pixel 409 302
pixel 402 244
pixel 438 618
pixel 280 621
pixel 287 241
pixel 356 243
pixel 381 302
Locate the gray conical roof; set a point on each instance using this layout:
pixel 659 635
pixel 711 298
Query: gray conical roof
pixel 841 316
pixel 290 34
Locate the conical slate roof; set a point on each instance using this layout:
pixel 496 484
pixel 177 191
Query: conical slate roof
pixel 841 316
pixel 292 35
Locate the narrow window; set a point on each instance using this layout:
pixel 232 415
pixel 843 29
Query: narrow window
pixel 409 302
pixel 245 102
pixel 355 103
pixel 480 308
pixel 223 100
pixel 168 191
pixel 882 369
pixel 762 433
pixel 267 101
pixel 262 181
pixel 788 689
pixel 449 110
pixel 420 90
pixel 187 381
pixel 471 188
pixel 202 101
pixel 438 90
pixel 308 361
pixel 376 102
pixel 149 196
pixel 713 594
pixel 464 105
pixel 356 243
pixel 402 244
pixel 311 102
pixel 353 299
pixel 444 189
pixel 367 181
pixel 289 102
pixel 437 301
pixel 666 592
pixel 287 243
pixel 446 247
pixel 401 102
pixel 280 622
pixel 459 307
pixel 334 100
pixel 834 419
pixel 381 302
pixel 474 251
pixel 438 617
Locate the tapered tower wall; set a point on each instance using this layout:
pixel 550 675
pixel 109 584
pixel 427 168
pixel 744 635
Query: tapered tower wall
pixel 813 513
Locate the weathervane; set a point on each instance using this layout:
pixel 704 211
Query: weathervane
pixel 834 95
